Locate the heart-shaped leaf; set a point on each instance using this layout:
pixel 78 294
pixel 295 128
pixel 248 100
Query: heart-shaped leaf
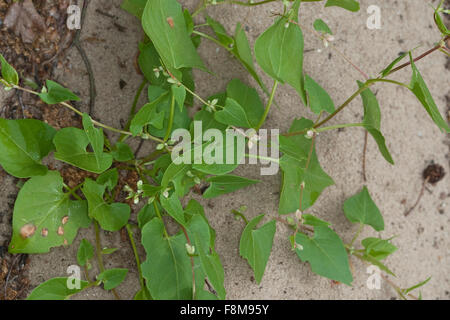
pixel 256 245
pixel 326 254
pixel 361 209
pixel 23 144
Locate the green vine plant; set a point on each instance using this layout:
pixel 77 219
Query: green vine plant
pixel 48 213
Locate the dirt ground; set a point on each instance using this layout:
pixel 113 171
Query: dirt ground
pixel 423 237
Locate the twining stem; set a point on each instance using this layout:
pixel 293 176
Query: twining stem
pixel 133 108
pixel 269 104
pixel 339 126
pixel 204 35
pixel 136 256
pixel 437 47
pixel 86 273
pixel 98 250
pixel 99 124
pixel 98 247
pixel 422 190
pixel 240 214
pixel 172 113
pixel 346 103
pixel 392 284
pixel 302 185
pixel 72 191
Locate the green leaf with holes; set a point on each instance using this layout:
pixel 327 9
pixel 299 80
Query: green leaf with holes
pixel 112 217
pixel 279 52
pixel 23 144
pixel 44 218
pixel 163 21
pixel 362 209
pixel 326 254
pixel 56 93
pixel 56 289
pixel 71 144
pixel 256 245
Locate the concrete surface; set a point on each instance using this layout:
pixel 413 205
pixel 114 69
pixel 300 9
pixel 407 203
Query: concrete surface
pixel 423 237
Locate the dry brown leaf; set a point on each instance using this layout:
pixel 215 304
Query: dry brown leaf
pixel 24 20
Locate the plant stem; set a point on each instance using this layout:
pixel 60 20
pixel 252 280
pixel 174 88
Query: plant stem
pixel 99 124
pixel 204 35
pixel 136 256
pixel 338 126
pixel 269 104
pixel 240 214
pixel 346 103
pixel 72 191
pixel 98 247
pixel 98 250
pixel 133 108
pixel 360 229
pixel 172 113
pixel 437 47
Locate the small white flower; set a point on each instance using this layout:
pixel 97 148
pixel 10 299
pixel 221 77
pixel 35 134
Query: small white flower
pixel 298 215
pixel 286 25
pixel 139 184
pixel 329 37
pixel 136 199
pixel 298 246
pixel 190 249
pixel 309 134
pixel 166 193
pixel 189 174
